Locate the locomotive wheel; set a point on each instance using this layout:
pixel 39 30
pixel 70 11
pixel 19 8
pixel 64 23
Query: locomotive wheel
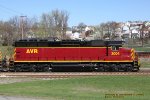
pixel 18 69
pixel 136 70
pixel 129 69
pixel 100 69
pixel 116 69
pixel 47 69
pixel 32 69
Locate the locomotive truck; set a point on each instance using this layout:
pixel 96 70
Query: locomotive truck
pixel 94 55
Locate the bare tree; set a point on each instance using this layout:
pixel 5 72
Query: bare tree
pixel 100 31
pixel 44 24
pixel 7 33
pixel 55 23
pixel 108 30
pixel 59 20
pixel 32 27
pixel 81 26
pixel 8 30
pixel 114 26
pixel 144 33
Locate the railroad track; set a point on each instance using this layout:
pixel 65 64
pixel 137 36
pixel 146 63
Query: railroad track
pixel 71 74
pixel 143 71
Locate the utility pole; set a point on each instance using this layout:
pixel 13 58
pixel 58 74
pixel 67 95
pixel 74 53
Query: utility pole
pixel 142 26
pixel 22 25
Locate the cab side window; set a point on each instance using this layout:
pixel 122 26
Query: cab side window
pixel 115 48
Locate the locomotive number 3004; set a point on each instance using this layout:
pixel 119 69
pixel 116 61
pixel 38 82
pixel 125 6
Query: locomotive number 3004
pixel 115 53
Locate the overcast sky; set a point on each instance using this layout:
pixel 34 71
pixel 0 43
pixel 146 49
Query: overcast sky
pixel 90 12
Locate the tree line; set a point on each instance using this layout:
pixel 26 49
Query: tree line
pixel 55 24
pixel 52 24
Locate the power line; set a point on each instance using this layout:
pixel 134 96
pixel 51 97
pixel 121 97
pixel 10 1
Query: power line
pixel 9 9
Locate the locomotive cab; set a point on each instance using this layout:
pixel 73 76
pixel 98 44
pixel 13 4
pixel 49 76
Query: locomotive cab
pixel 120 57
pixel 115 48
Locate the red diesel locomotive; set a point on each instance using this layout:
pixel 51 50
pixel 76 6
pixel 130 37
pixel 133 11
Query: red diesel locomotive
pixel 94 55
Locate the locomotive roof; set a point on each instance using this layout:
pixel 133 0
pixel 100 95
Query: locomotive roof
pixel 65 43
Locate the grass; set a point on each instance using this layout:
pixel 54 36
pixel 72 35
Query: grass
pixel 91 88
pixel 140 48
pixel 146 49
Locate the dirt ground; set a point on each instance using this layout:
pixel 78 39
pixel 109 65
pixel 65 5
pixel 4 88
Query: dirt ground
pixel 3 97
pixel 8 80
